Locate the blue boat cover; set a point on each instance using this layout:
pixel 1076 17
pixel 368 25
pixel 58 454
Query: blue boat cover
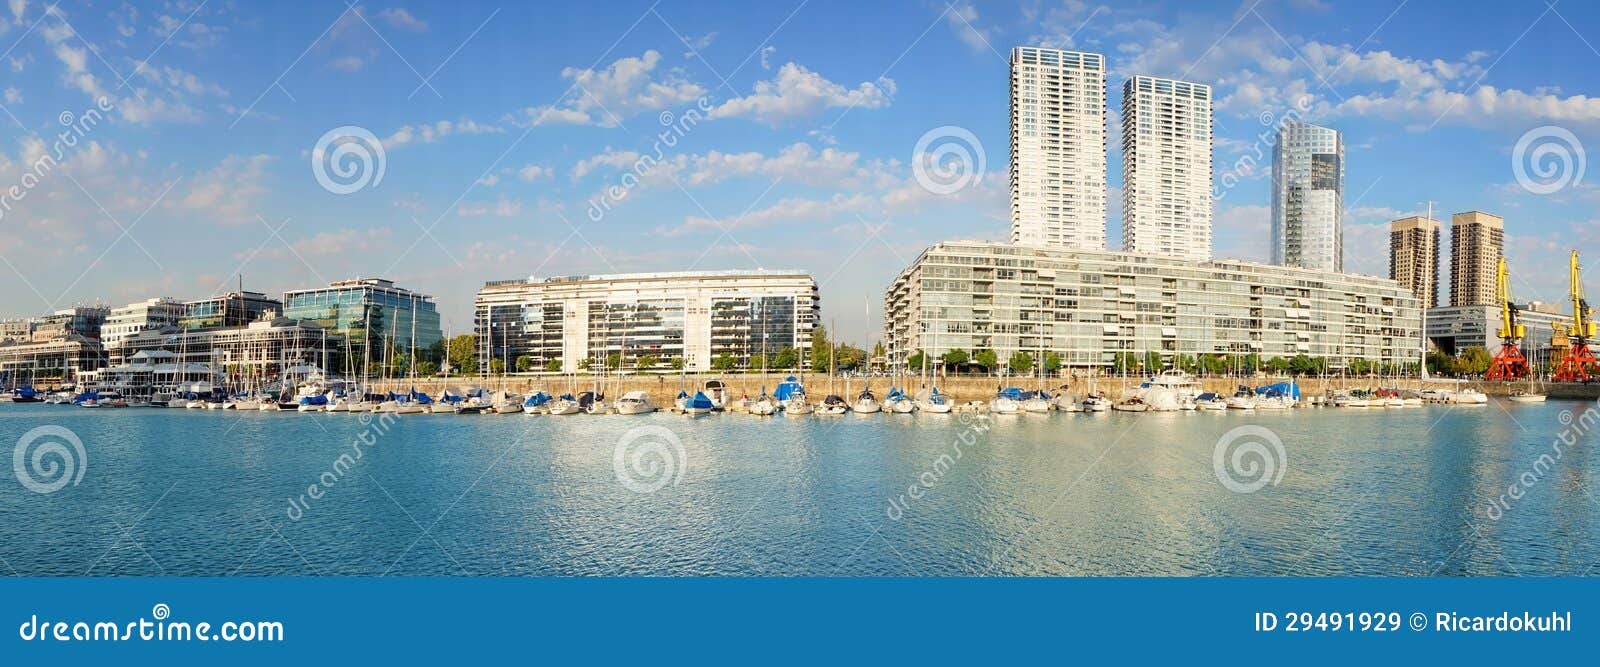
pixel 1012 393
pixel 1290 389
pixel 700 401
pixel 788 389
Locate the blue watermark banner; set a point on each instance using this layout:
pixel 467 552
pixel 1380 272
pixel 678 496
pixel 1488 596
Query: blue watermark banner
pixel 649 621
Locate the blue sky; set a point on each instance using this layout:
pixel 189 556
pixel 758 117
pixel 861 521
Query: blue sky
pixel 502 123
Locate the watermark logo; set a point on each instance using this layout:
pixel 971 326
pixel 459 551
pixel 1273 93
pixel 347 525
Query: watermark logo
pixel 48 458
pixel 947 160
pixel 348 159
pixel 1547 159
pixel 648 458
pixel 1248 458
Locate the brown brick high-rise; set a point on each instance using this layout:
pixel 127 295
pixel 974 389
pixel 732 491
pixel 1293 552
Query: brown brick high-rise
pixel 1477 241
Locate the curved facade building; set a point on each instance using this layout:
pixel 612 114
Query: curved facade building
pixel 1308 197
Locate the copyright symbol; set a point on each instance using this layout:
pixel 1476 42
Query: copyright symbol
pixel 1419 621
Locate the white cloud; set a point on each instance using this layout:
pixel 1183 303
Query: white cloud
pixel 698 44
pixel 348 63
pixel 532 172
pixel 502 208
pixel 963 19
pixel 799 92
pixel 429 133
pixel 17 8
pixel 603 97
pixel 13 96
pixel 766 56
pixel 230 193
pixel 400 18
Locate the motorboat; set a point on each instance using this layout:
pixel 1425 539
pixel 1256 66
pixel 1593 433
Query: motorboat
pixel 1525 397
pixel 717 391
pixel 313 403
pixel 866 403
pixel 593 403
pixel 507 403
pixel 1468 397
pixel 1210 401
pixel 1096 403
pixel 1131 404
pixel 634 403
pixel 832 405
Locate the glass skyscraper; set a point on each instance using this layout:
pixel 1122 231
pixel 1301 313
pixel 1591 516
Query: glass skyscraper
pixel 1308 197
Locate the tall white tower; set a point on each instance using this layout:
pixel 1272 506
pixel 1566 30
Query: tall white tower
pixel 1308 197
pixel 1166 168
pixel 1058 148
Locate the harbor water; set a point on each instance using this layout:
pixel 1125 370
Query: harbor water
pixel 1498 489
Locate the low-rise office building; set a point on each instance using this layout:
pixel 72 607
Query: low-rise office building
pixel 1453 329
pixel 156 313
pixel 374 305
pixel 1089 306
pixel 687 317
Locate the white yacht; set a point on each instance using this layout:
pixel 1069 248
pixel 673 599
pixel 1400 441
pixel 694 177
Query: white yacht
pixel 866 403
pixel 634 403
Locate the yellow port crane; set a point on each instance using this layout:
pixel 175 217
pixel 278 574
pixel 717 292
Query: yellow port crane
pixel 1509 363
pixel 1579 365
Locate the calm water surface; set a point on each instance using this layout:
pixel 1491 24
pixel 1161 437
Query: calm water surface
pixel 1363 492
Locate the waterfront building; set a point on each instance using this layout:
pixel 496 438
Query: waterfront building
pixel 16 330
pixel 81 321
pixel 1166 168
pixel 384 311
pixel 1058 148
pixel 156 313
pixel 1452 329
pixel 690 318
pixel 1414 257
pixel 233 309
pixel 1308 197
pixel 1477 241
pixel 43 362
pixel 1089 306
pixel 250 355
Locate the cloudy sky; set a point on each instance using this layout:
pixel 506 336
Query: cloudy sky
pixel 228 140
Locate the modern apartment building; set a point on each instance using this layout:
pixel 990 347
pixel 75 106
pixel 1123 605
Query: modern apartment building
pixel 1058 148
pixel 1414 257
pixel 233 309
pixel 1166 168
pixel 1477 241
pixel 1088 306
pixel 1308 197
pixel 155 313
pixel 695 317
pixel 373 305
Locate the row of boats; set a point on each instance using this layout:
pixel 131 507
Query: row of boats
pixel 1170 391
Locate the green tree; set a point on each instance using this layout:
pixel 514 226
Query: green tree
pixel 986 359
pixel 1152 361
pixel 427 368
pixel 1359 367
pixel 553 365
pixel 497 366
pixel 677 363
pixel 1302 365
pixel 1440 363
pixel 1475 361
pixel 1214 364
pixel 1123 362
pixel 819 349
pixel 954 359
pixel 463 353
pixel 525 363
pixel 1186 363
pixel 1052 362
pixel 646 362
pixel 1278 365
pixel 724 362
pixel 614 361
pixel 1020 362
pixel 584 364
pixel 914 361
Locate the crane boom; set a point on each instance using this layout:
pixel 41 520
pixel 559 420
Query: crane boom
pixel 1509 362
pixel 1580 364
